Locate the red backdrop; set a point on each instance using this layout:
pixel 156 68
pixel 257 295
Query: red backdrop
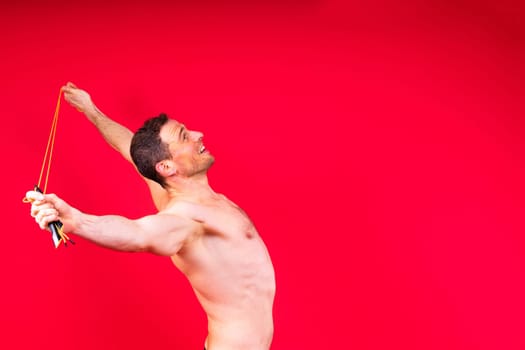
pixel 378 149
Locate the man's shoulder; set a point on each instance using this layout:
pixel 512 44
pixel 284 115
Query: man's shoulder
pixel 216 216
pixel 186 209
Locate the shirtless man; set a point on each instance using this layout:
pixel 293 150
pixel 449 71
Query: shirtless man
pixel 209 238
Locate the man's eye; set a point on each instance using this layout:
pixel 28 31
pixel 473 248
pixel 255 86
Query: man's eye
pixel 185 137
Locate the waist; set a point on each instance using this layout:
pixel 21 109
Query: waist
pixel 240 334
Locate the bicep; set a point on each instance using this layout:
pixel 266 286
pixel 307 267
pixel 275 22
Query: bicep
pixel 165 234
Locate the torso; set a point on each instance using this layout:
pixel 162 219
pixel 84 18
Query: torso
pixel 231 273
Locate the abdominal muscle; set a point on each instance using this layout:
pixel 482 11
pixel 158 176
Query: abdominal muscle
pixel 247 333
pixel 235 286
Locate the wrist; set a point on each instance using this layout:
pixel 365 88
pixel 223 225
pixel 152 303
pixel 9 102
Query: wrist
pixel 77 221
pixel 92 112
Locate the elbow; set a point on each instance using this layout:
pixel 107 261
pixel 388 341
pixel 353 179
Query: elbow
pixel 147 245
pixel 160 248
pixel 139 244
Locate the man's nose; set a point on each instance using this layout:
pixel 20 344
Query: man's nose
pixel 196 135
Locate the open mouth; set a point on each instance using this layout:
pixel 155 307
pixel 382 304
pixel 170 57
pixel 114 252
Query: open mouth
pixel 202 149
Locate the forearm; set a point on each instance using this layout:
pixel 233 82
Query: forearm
pixel 111 231
pixel 118 136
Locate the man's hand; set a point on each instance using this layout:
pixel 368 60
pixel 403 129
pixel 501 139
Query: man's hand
pixel 46 208
pixel 78 98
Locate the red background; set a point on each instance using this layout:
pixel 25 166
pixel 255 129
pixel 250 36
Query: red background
pixel 378 148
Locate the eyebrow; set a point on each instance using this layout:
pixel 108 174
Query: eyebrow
pixel 180 131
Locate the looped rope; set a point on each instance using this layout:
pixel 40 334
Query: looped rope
pixel 49 149
pixel 57 226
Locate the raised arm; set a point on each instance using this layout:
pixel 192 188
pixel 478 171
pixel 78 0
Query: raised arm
pixel 162 234
pixel 117 135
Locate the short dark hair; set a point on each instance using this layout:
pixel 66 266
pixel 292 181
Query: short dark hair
pixel 147 148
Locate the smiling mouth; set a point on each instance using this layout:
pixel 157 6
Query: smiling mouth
pixel 202 149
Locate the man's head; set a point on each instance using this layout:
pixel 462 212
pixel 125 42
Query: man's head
pixel 163 148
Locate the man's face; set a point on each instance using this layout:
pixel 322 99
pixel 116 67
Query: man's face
pixel 186 148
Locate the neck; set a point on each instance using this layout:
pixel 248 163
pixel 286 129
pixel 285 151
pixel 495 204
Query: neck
pixel 194 187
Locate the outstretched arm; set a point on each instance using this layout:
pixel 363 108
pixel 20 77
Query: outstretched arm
pixel 117 135
pixel 162 234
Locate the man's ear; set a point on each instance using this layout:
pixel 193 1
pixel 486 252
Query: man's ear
pixel 166 168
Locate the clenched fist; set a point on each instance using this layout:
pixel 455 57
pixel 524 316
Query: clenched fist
pixel 46 208
pixel 78 98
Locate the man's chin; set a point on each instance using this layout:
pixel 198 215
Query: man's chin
pixel 211 162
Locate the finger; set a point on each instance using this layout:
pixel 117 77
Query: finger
pixel 35 209
pixel 51 198
pixel 45 217
pixel 43 213
pixel 71 85
pixel 43 224
pixel 34 196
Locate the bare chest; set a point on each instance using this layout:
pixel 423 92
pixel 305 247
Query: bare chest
pixel 227 232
